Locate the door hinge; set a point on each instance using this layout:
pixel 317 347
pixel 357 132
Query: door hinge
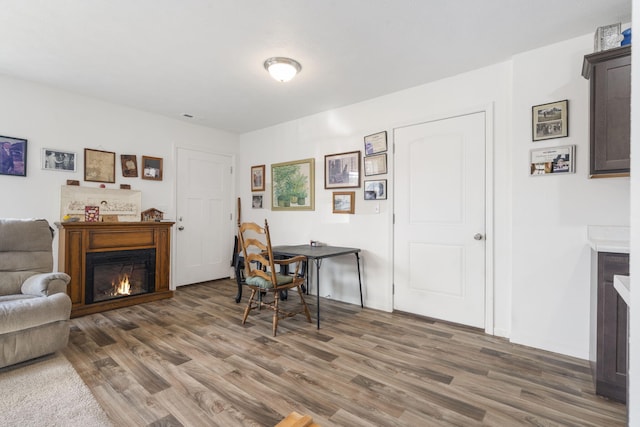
pixel 394 219
pixel 231 170
pixel 393 289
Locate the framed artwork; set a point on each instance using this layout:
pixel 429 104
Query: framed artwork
pixel 256 201
pixel 129 163
pixel 152 168
pixel 375 189
pixel 550 120
pixel 99 166
pixel 375 165
pixel 257 178
pixel 342 170
pixel 376 143
pixel 58 160
pixel 13 156
pixel 554 160
pixel 292 185
pixel 344 202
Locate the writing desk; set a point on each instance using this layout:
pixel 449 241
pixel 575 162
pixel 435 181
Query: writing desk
pixel 317 254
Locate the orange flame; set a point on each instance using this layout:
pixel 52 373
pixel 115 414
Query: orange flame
pixel 124 287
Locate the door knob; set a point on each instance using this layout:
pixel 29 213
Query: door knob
pixel 180 228
pixel 478 236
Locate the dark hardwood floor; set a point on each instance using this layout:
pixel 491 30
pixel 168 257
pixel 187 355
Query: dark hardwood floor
pixel 188 361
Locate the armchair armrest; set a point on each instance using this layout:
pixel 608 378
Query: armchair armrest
pixel 45 284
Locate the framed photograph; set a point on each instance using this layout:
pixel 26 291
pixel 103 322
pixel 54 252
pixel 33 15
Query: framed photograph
pixel 257 178
pixel 553 160
pixel 13 156
pixel 256 201
pixel 375 189
pixel 375 165
pixel 152 168
pixel 99 166
pixel 376 143
pixel 292 185
pixel 129 163
pixel 58 160
pixel 550 120
pixel 344 202
pixel 342 170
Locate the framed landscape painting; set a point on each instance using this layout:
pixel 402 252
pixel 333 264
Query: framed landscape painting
pixel 292 185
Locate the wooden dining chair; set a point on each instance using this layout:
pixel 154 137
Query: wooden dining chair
pixel 262 277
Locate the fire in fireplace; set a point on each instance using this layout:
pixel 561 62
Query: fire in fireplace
pixel 119 274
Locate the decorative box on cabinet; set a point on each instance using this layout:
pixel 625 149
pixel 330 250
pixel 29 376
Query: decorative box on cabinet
pixel 609 358
pixel 609 73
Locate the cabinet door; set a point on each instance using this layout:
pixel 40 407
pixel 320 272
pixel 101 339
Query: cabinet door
pixel 610 116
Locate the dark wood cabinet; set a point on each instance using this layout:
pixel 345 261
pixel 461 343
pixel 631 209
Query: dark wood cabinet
pixel 609 73
pixel 610 368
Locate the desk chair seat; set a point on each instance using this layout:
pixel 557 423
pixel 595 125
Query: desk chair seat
pixel 261 275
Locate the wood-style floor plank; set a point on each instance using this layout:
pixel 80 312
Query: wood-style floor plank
pixel 188 361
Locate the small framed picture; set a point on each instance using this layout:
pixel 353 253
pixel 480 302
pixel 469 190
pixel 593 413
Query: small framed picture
pixel 376 143
pixel 344 202
pixel 13 156
pixel 553 160
pixel 257 178
pixel 550 120
pixel 58 160
pixel 152 168
pixel 256 201
pixel 375 165
pixel 129 163
pixel 99 166
pixel 375 189
pixel 342 170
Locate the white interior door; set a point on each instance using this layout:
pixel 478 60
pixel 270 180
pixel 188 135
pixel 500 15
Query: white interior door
pixel 439 249
pixel 204 237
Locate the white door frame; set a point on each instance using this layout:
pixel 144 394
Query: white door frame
pixel 488 109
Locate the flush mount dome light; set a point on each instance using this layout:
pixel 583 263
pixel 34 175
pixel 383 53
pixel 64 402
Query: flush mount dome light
pixel 282 69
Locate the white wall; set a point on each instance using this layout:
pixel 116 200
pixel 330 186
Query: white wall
pixel 541 258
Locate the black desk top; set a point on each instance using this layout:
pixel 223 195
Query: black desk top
pixel 312 252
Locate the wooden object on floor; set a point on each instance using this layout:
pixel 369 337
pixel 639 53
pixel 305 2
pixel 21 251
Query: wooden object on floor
pixel 79 238
pixel 294 419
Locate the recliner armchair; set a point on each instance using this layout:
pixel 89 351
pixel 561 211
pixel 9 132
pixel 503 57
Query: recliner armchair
pixel 34 305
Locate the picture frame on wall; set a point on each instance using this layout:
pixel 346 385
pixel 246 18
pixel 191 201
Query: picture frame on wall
pixel 292 185
pixel 375 165
pixel 375 143
pixel 342 170
pixel 344 202
pixel 152 168
pixel 13 156
pixel 99 166
pixel 549 121
pixel 129 164
pixel 256 201
pixel 552 160
pixel 58 160
pixel 375 189
pixel 257 178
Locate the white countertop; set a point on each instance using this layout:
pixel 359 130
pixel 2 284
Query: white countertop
pixel 623 286
pixel 608 238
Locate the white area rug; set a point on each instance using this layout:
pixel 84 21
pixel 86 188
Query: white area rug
pixel 47 392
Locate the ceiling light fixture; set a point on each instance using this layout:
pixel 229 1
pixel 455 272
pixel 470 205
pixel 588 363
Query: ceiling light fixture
pixel 282 69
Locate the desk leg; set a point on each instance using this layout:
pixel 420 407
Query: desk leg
pixel 359 279
pixel 317 261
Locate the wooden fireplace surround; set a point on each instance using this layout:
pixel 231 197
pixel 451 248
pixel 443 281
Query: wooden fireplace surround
pixel 79 238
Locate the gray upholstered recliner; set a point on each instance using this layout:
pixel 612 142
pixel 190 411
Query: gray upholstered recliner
pixel 34 305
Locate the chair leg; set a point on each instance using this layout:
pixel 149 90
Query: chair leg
pixel 304 305
pixel 276 314
pixel 248 307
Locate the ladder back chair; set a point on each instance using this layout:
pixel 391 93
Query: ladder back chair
pixel 261 275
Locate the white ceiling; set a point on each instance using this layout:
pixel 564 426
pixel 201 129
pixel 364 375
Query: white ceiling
pixel 204 57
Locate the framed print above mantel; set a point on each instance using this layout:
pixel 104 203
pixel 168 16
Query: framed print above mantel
pixel 550 121
pixel 13 156
pixel 152 168
pixel 342 170
pixel 58 160
pixel 99 166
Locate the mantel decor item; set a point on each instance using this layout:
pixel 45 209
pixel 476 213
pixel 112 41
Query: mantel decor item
pixel 292 185
pixel 152 168
pixel 13 156
pixel 58 160
pixel 99 166
pixel 257 178
pixel 152 214
pixel 342 170
pixel 550 121
pixel 552 160
pixel 376 143
pixel 344 202
pixel 607 37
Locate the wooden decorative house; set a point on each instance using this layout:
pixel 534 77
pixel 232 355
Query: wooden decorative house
pixel 152 214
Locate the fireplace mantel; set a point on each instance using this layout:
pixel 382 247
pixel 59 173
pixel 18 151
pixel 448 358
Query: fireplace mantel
pixel 79 238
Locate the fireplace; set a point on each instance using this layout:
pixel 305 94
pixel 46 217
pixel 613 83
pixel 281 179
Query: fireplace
pixel 119 274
